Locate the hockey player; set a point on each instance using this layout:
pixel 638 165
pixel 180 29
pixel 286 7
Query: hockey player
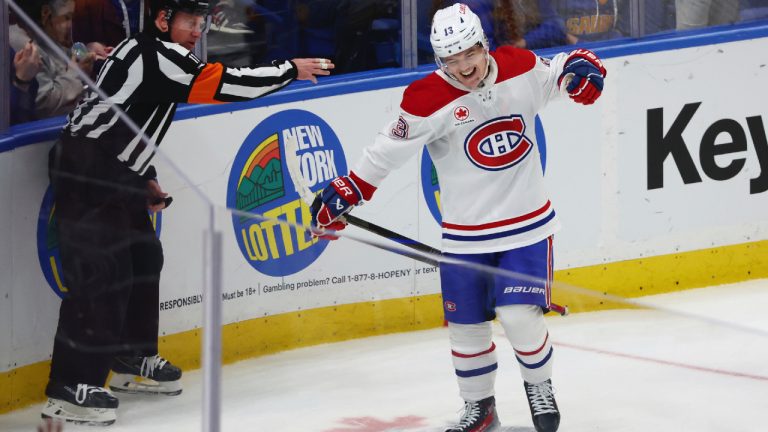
pixel 476 115
pixel 104 185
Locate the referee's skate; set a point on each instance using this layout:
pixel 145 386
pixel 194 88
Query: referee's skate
pixel 145 375
pixel 80 404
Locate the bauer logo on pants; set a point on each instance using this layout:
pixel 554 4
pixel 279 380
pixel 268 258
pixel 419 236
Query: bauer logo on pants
pixel 260 183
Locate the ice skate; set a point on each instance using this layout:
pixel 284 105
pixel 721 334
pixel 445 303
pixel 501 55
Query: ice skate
pixel 544 412
pixel 80 404
pixel 478 416
pixel 145 375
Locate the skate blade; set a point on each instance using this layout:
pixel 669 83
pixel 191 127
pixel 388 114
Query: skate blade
pixel 58 409
pixel 495 426
pixel 132 384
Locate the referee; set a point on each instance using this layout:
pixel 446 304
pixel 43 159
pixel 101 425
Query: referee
pixel 104 184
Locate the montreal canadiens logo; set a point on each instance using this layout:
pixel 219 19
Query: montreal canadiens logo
pixel 450 306
pixel 461 113
pixel 498 144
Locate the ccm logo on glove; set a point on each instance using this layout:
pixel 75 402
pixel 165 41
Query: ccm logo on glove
pixel 344 193
pixel 586 73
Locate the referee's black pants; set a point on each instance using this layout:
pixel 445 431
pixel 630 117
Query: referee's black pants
pixel 111 261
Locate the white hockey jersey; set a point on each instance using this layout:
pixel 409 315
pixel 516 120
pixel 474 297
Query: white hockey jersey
pixel 483 145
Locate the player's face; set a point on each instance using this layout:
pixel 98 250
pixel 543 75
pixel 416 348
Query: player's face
pixel 186 29
pixel 468 66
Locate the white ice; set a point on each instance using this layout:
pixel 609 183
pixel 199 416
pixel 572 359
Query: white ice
pixel 617 371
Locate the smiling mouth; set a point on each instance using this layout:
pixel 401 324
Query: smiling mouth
pixel 468 74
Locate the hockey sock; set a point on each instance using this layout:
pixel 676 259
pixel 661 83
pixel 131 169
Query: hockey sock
pixel 526 330
pixel 474 358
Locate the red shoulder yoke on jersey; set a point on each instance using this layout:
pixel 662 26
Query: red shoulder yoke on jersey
pixel 513 62
pixel 426 96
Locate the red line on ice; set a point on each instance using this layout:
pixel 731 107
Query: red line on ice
pixel 664 362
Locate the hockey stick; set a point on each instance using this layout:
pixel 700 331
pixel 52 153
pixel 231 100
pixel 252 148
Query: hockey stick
pixel 306 194
pixel 398 238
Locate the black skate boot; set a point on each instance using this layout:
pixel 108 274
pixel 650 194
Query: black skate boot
pixel 80 403
pixel 145 375
pixel 541 399
pixel 478 416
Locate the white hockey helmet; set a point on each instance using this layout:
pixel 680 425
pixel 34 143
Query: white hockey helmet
pixel 455 29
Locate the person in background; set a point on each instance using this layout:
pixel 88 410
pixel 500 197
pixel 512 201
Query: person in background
pixel 104 186
pixel 476 116
pixel 24 86
pixel 108 22
pixel 60 87
pixel 356 23
pixel 750 10
pixel 102 24
pixel 530 24
pixel 591 20
pixel 317 25
pixel 693 14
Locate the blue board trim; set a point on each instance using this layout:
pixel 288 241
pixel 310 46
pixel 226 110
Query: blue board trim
pixel 47 130
pixel 31 133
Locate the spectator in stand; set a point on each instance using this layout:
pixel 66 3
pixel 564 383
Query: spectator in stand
pixel 237 36
pixel 282 36
pixel 236 17
pixel 659 16
pixel 103 21
pixel 357 32
pixel 590 20
pixel 538 24
pixel 317 23
pixel 23 91
pixel 529 24
pixel 702 13
pixel 60 87
pixel 103 24
pixel 751 10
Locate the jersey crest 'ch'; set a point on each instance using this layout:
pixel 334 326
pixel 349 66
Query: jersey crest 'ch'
pixel 498 144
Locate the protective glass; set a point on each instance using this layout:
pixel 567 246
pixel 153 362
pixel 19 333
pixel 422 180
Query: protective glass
pixel 327 336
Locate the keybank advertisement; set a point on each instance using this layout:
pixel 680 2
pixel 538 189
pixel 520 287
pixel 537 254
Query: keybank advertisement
pixel 708 147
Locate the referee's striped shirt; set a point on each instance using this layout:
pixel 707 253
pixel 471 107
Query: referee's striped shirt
pixel 147 78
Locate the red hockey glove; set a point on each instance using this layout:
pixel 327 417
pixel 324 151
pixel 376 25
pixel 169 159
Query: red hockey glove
pixel 587 74
pixel 344 193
